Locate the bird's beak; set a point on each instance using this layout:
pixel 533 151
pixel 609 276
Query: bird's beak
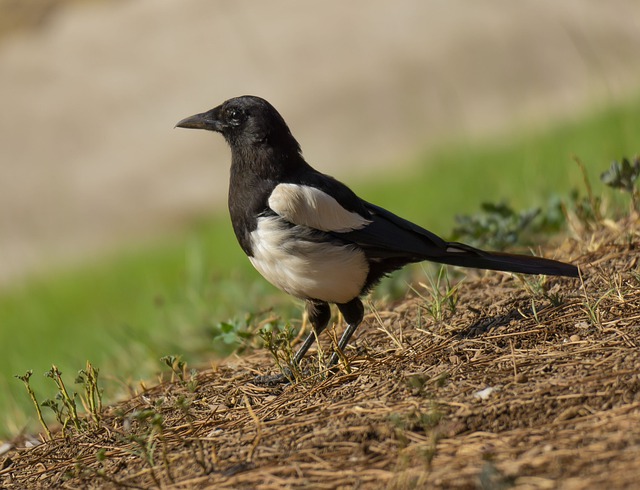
pixel 206 120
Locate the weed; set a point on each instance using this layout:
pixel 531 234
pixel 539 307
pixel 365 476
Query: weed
pixel 497 226
pixel 32 395
pixel 592 308
pixel 145 444
pixel 442 379
pixel 240 334
pixel 533 284
pixel 199 454
pixel 63 405
pixel 534 312
pixel 536 286
pixel 440 294
pixel 415 421
pixel 417 384
pixel 619 286
pixel 623 176
pixel 587 209
pixel 491 478
pixel 231 332
pixel 179 369
pixel 584 210
pixel 278 342
pixel 92 397
pixel 67 411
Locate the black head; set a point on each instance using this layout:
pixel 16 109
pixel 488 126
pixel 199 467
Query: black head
pixel 245 121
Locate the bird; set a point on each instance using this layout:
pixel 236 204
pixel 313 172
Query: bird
pixel 311 236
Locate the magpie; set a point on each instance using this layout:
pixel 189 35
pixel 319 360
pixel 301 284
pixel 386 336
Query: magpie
pixel 311 236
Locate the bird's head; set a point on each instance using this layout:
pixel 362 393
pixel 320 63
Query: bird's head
pixel 244 122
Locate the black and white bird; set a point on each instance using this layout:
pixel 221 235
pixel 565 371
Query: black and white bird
pixel 310 235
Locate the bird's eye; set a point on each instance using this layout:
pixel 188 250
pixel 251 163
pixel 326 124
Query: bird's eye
pixel 234 116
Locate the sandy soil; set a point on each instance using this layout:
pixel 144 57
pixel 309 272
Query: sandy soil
pixel 89 95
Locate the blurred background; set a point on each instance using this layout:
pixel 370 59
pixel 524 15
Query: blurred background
pixel 114 240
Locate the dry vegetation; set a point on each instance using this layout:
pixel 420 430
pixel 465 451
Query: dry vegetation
pixel 525 384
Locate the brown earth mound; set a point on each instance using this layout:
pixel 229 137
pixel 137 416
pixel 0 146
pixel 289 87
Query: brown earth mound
pixel 522 385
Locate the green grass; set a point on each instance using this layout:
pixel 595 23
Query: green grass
pixel 125 311
pixel 526 169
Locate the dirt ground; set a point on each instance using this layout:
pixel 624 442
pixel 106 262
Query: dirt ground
pixel 524 385
pixel 90 91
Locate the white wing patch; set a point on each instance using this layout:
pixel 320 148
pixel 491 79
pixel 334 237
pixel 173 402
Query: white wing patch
pixel 308 206
pixel 305 268
pixel 454 249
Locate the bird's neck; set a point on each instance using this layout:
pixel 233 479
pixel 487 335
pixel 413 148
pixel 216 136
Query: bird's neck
pixel 254 175
pixel 263 163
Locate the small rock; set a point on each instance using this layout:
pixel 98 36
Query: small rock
pixel 484 394
pixel 5 448
pixel 520 378
pixel 575 338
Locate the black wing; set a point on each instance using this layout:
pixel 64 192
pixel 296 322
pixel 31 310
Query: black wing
pixel 390 236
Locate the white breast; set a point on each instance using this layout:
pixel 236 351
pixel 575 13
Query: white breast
pixel 303 268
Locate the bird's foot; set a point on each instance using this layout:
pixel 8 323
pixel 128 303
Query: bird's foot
pixel 285 377
pixel 271 380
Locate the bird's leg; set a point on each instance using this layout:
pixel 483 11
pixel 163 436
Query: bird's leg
pixel 353 311
pixel 319 314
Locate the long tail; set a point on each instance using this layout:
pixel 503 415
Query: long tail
pixel 467 256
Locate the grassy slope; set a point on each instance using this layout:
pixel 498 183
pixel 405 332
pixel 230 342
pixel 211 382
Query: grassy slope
pixel 125 311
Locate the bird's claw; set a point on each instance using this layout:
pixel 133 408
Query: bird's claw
pixel 274 379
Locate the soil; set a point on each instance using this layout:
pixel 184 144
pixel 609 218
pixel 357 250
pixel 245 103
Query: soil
pixel 523 384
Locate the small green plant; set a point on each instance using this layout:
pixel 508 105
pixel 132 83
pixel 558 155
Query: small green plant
pixel 179 369
pixel 176 364
pixel 239 334
pixel 278 342
pixel 417 384
pixel 587 209
pixel 231 333
pixel 496 226
pixel 66 412
pixel 623 176
pixel 592 308
pixel 152 425
pixel 536 286
pixel 92 395
pixel 64 405
pixel 415 421
pixel 440 294
pixel 25 379
pixel 620 175
pixel 199 454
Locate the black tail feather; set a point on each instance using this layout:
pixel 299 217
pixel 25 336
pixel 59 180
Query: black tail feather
pixel 466 256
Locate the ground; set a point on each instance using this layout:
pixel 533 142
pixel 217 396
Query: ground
pixel 525 383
